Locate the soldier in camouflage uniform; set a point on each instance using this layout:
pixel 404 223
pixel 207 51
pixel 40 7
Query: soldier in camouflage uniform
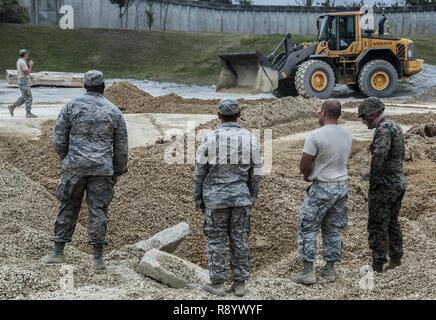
pixel 24 69
pixel 386 185
pixel 227 179
pixel 90 136
pixel 324 164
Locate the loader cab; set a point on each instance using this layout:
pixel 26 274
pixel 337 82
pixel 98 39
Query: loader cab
pixel 338 31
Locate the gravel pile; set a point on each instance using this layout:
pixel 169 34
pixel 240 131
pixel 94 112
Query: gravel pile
pixel 155 195
pixel 131 99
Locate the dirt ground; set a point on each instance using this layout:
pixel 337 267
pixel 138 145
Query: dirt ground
pixel 155 195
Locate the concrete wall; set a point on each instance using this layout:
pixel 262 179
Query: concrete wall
pixel 195 16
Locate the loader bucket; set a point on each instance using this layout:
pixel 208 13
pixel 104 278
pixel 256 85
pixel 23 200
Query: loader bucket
pixel 246 72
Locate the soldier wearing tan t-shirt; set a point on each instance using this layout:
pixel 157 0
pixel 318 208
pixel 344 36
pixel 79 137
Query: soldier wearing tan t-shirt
pixel 24 69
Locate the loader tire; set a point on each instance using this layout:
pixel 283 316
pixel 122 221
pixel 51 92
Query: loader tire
pixel 315 78
pixel 378 78
pixel 354 87
pixel 286 88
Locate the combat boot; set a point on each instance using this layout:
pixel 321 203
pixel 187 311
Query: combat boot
pixel 11 109
pixel 377 266
pixel 328 272
pixel 30 115
pixel 393 263
pixel 98 264
pixel 239 289
pixel 57 256
pixel 217 289
pixel 307 276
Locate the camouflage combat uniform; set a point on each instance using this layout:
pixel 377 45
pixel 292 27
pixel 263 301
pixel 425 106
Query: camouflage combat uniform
pixel 90 137
pixel 226 187
pixel 386 191
pixel 26 94
pixel 325 206
pixel 24 84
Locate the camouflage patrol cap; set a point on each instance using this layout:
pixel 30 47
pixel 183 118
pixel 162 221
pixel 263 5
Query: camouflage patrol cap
pixel 93 78
pixel 229 107
pixel 370 106
pixel 23 52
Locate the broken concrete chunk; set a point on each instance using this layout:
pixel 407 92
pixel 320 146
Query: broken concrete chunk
pixel 167 240
pixel 171 270
pixel 52 79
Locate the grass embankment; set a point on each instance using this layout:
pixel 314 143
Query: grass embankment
pixel 164 55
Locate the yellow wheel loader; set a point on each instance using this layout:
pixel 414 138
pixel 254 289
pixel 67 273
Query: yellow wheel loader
pixel 344 53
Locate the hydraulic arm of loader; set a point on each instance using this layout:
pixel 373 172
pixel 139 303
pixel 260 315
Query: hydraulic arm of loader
pixel 253 72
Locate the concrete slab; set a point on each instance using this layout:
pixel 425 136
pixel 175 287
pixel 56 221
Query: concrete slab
pixel 171 270
pixel 146 128
pixel 167 240
pixel 143 128
pixel 47 78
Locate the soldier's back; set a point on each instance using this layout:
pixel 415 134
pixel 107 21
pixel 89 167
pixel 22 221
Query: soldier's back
pixel 93 123
pixel 389 138
pixel 226 184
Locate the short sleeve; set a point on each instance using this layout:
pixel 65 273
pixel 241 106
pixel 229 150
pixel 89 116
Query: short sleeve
pixel 23 65
pixel 310 145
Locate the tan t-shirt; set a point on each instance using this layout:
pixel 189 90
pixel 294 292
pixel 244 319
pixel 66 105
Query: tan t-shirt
pixel 21 67
pixel 331 146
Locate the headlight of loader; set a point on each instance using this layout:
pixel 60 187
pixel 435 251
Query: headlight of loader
pixel 410 52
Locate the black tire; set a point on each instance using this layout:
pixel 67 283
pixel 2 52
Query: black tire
pixel 369 70
pixel 286 88
pixel 354 87
pixel 304 75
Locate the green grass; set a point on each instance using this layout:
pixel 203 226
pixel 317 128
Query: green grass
pixel 163 55
pixel 425 47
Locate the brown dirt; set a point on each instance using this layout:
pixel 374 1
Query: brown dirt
pixel 155 195
pixel 427 130
pixel 152 186
pixel 406 119
pixel 421 142
pixel 131 99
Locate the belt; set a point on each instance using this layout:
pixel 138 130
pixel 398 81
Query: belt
pixel 336 183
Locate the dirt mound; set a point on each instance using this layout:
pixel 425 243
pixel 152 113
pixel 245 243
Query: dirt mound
pixel 419 148
pixel 35 157
pixel 131 99
pixel 26 215
pixel 406 119
pixel 424 130
pixel 421 142
pixel 155 195
pixel 283 116
pixel 152 186
pixel 414 118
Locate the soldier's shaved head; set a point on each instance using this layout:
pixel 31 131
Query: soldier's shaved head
pixel 332 108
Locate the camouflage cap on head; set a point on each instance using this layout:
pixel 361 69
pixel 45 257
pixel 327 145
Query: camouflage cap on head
pixel 370 106
pixel 94 78
pixel 229 107
pixel 23 52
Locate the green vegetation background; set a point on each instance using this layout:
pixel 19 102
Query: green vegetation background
pixel 161 55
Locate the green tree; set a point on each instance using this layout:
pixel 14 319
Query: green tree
pixel 245 3
pixel 13 12
pixel 123 6
pixel 149 13
pixel 326 3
